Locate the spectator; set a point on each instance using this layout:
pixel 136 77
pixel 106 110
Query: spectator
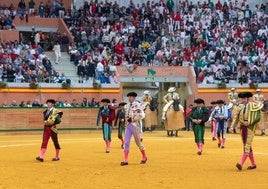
pixel 66 104
pixel 57 51
pixel 61 9
pixel 22 104
pixel 64 42
pixel 63 78
pixel 57 78
pixel 85 102
pixel 36 103
pixel 28 104
pixel 94 103
pixel 113 78
pixel 22 7
pixel 99 70
pixel 47 64
pixel 41 9
pixel 10 73
pixel 19 78
pixel 74 103
pixel 208 79
pixel 14 103
pixel 60 102
pixel 90 70
pixel 105 78
pixel 81 72
pixel 31 7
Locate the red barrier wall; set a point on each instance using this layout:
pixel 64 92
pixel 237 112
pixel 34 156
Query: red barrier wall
pixel 20 119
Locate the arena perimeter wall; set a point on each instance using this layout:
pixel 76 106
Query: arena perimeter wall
pixel 30 119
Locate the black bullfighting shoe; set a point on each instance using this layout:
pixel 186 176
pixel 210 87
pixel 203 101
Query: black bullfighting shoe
pixel 39 159
pixel 123 163
pixel 252 167
pixel 55 159
pixel 239 167
pixel 144 161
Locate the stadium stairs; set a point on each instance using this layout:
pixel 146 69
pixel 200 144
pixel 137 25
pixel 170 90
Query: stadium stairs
pixel 64 65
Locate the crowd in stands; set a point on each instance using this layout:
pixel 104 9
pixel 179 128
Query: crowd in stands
pixel 59 103
pixel 27 62
pixel 223 41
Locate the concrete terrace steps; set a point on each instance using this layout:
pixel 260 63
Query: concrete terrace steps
pixel 65 65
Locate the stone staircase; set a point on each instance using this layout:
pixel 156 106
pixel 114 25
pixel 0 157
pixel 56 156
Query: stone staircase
pixel 65 66
pixel 70 70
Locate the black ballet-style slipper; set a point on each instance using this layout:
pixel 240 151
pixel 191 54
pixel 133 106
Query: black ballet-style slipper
pixel 252 167
pixel 239 167
pixel 123 163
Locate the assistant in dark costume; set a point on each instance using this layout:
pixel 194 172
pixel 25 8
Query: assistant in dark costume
pixel 199 115
pixel 107 115
pixel 120 122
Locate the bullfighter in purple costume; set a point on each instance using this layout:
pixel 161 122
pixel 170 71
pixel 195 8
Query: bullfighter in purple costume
pixel 134 113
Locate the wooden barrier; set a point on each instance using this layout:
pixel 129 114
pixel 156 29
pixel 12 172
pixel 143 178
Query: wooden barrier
pixel 31 119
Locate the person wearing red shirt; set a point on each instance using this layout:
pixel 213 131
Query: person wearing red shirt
pixel 177 20
pixel 218 5
pixel 93 8
pixel 188 123
pixel 118 26
pixel 119 51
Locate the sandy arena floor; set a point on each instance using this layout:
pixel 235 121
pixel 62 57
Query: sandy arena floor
pixel 172 163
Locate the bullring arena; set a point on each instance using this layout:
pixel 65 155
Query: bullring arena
pixel 172 163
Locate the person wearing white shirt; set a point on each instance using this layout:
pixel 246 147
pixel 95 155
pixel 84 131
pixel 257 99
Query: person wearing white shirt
pixel 112 33
pixel 182 37
pixel 261 55
pixel 131 29
pixel 117 38
pixel 16 50
pixel 211 55
pixel 209 79
pixel 37 38
pixel 261 31
pixel 161 9
pixel 219 75
pixel 207 68
pixel 216 66
pixel 19 78
pixel 103 19
pixel 57 52
pixel 41 56
pixel 220 114
pixel 99 69
pixel 164 40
